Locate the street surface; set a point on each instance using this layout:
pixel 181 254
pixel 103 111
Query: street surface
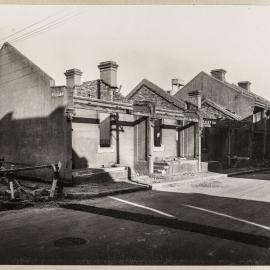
pixel 217 222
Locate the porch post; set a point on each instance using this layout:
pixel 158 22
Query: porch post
pixel 150 140
pixel 117 139
pixel 183 145
pixel 229 146
pixel 264 133
pixel 250 140
pixel 199 132
pixel 199 126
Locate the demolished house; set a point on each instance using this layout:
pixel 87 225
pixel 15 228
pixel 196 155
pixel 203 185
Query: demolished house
pixel 91 125
pixel 236 129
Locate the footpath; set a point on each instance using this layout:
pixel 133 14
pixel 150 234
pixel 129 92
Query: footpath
pixel 31 192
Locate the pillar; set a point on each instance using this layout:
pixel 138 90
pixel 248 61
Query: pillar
pixel 229 147
pixel 198 142
pixel 250 140
pixel 150 139
pixel 264 133
pixel 199 132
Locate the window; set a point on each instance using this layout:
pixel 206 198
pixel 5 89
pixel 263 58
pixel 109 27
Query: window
pixel 158 133
pixel 105 129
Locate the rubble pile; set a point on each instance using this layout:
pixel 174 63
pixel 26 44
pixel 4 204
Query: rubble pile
pixel 23 191
pixel 15 193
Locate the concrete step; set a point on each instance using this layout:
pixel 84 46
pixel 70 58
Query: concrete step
pixel 214 166
pixel 89 191
pixel 101 175
pixel 161 167
pixel 161 163
pixel 161 172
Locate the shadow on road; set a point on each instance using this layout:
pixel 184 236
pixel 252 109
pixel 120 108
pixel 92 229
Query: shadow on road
pixel 264 175
pixel 251 239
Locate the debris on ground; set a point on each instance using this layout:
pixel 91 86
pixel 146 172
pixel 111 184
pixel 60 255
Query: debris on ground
pixel 26 194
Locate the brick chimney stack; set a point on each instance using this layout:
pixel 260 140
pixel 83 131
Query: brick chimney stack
pixel 219 74
pixel 245 85
pixel 73 77
pixel 176 85
pixel 108 72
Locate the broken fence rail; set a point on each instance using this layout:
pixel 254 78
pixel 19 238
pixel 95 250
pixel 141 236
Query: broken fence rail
pixel 9 173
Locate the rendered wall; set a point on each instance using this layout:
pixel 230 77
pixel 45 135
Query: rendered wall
pixel 33 124
pixel 86 139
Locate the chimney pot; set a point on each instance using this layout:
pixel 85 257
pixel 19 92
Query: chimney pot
pixel 245 85
pixel 219 74
pixel 73 77
pixel 108 72
pixel 176 84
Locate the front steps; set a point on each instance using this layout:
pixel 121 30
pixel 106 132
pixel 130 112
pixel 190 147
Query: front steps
pixel 166 169
pixel 161 168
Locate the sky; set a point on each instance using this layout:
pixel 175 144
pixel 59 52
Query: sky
pixel 154 42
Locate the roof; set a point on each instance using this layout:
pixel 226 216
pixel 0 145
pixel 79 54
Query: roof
pixel 260 101
pixel 221 109
pixel 241 90
pixel 8 46
pixel 159 91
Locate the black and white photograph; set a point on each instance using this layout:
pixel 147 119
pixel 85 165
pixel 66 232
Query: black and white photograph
pixel 134 134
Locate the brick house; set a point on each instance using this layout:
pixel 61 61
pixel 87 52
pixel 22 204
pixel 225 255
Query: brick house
pixel 90 124
pixel 236 122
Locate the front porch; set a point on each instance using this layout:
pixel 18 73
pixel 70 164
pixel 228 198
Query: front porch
pixel 178 166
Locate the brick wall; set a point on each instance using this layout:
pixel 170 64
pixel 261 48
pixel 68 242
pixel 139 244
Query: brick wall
pixel 90 89
pixel 146 94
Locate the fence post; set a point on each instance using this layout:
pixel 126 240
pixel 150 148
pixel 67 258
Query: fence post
pixel 1 162
pixel 11 185
pixel 56 170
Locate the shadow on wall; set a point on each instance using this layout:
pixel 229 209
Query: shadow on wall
pixel 78 162
pixel 36 141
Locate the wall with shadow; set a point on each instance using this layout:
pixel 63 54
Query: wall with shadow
pixel 78 162
pixel 37 141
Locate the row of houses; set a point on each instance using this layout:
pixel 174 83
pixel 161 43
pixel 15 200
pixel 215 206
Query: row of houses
pixel 206 124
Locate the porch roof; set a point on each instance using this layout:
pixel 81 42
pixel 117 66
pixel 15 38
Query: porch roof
pixel 127 108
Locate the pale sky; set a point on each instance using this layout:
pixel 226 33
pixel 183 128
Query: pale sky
pixel 153 42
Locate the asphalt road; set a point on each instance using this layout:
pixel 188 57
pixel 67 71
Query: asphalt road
pixel 142 228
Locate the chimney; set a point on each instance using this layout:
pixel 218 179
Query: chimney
pixel 73 77
pixel 219 74
pixel 176 84
pixel 195 97
pixel 108 72
pixel 245 85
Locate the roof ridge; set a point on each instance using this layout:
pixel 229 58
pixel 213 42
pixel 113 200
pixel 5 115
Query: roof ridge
pixel 7 44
